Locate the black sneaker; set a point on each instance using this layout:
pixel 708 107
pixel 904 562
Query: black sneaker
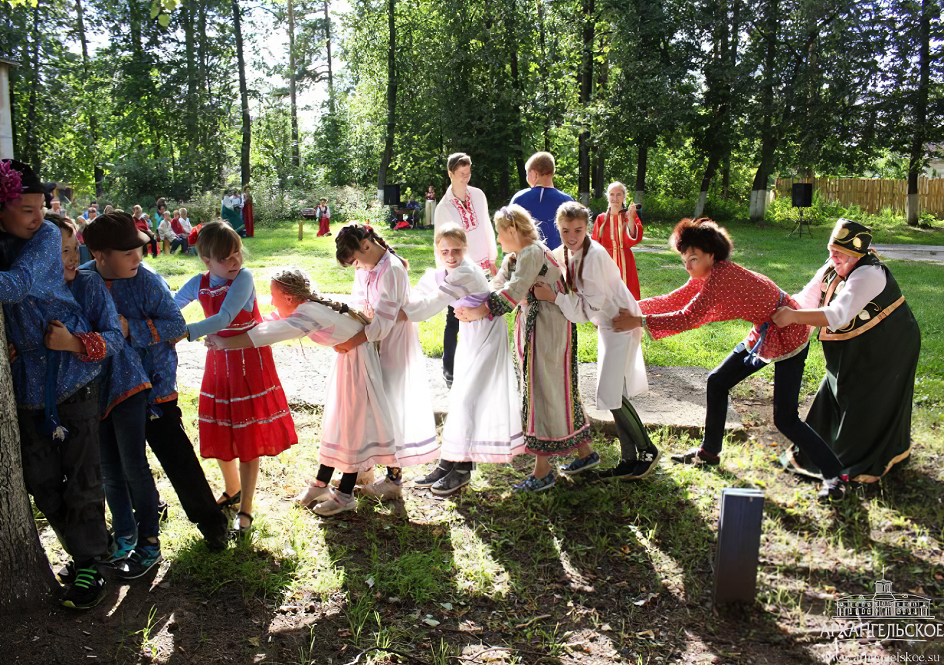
pixel 66 574
pixel 87 591
pixel 581 464
pixel 697 457
pixel 441 471
pixel 624 470
pixel 834 489
pixel 648 462
pixel 144 557
pixel 454 481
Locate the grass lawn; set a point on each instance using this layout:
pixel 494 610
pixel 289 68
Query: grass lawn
pixel 582 574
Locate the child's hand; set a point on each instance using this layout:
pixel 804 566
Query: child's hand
pixel 352 343
pixel 543 292
pixel 214 342
pixel 124 326
pixel 401 317
pixel 624 322
pixel 469 314
pixel 492 268
pixel 58 338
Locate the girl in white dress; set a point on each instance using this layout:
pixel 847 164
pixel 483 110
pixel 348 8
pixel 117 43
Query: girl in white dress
pixel 358 431
pixel 484 422
pixel 381 288
pixel 597 293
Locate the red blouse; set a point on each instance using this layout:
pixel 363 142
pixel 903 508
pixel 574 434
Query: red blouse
pixel 613 233
pixel 730 293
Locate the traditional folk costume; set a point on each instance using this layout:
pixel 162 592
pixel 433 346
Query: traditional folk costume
pixel 129 485
pixel 155 324
pixel 248 215
pixel 484 421
pixel 546 352
pixel 382 292
pixel 243 410
pixel 872 343
pixel 732 292
pixel 230 214
pixel 358 430
pixel 56 391
pixel 619 234
pixel 323 213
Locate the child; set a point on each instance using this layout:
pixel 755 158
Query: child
pixel 165 231
pixel 129 486
pixel 382 287
pixel 152 324
pixel 243 411
pixel 143 224
pixel 56 392
pixel 358 430
pixel 182 228
pixel 484 422
pixel 546 345
pixel 597 293
pixel 618 230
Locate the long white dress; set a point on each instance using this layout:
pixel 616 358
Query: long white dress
pixel 484 421
pixel 598 297
pixel 358 429
pixel 381 292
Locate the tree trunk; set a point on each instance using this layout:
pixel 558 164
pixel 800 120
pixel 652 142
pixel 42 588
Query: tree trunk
pixel 920 114
pixel 296 154
pixel 32 150
pixel 642 158
pixel 586 92
pixel 387 156
pixel 26 581
pixel 713 162
pixel 768 137
pixel 599 169
pixel 98 173
pixel 726 177
pixel 190 143
pixel 511 27
pixel 243 95
pixel 544 77
pixel 328 46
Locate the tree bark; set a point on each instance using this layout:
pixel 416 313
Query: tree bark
pixel 243 96
pixel 768 134
pixel 511 27
pixel 586 92
pixel 642 158
pixel 190 142
pixel 713 161
pixel 328 46
pixel 920 113
pixel 98 173
pixel 26 581
pixel 387 156
pixel 33 150
pixel 296 154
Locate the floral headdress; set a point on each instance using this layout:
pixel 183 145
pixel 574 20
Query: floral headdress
pixel 11 182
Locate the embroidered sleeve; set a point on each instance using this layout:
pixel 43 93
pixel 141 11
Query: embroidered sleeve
pixel 39 262
pixel 165 323
pixel 95 347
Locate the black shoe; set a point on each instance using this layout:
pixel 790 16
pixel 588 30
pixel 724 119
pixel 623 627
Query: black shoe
pixel 624 470
pixel 448 379
pixel 648 462
pixel 697 457
pixel 66 574
pixel 144 557
pixel 451 483
pixel 834 489
pixel 87 591
pixel 441 471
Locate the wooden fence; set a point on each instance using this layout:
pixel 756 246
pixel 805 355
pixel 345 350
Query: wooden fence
pixel 873 196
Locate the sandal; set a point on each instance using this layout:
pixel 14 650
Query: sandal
pixel 240 529
pixel 229 504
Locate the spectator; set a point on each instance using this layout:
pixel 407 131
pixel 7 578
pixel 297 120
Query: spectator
pixel 323 213
pixel 181 227
pixel 542 200
pixel 247 213
pixel 143 223
pixel 230 214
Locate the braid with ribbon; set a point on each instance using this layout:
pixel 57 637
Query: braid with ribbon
pixel 296 283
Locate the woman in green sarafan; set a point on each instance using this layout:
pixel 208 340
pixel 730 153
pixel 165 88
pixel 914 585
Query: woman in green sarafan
pixel 230 211
pixel 871 342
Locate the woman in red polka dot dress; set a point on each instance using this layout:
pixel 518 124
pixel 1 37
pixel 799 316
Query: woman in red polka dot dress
pixel 720 290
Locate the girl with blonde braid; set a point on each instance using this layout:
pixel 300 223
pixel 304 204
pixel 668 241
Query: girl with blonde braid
pixel 357 430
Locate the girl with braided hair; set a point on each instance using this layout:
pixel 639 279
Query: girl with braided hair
pixel 597 293
pixel 382 288
pixel 546 350
pixel 357 429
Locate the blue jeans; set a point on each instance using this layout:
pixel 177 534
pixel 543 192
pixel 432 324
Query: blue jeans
pixel 788 377
pixel 129 486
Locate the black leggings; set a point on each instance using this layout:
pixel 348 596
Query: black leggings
pixel 348 480
pixel 632 433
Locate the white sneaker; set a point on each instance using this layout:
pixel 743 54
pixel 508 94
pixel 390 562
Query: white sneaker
pixel 311 494
pixel 383 489
pixel 363 478
pixel 337 502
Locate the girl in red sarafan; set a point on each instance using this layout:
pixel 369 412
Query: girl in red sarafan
pixel 243 411
pixel 619 230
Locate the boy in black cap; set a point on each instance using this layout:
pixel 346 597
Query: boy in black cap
pixel 56 391
pixel 152 325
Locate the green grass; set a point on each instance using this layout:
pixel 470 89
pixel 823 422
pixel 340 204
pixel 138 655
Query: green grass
pixel 789 262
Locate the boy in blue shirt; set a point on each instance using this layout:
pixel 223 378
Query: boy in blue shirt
pixel 542 200
pixel 56 388
pixel 152 324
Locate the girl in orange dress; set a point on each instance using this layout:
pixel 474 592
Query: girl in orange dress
pixel 618 230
